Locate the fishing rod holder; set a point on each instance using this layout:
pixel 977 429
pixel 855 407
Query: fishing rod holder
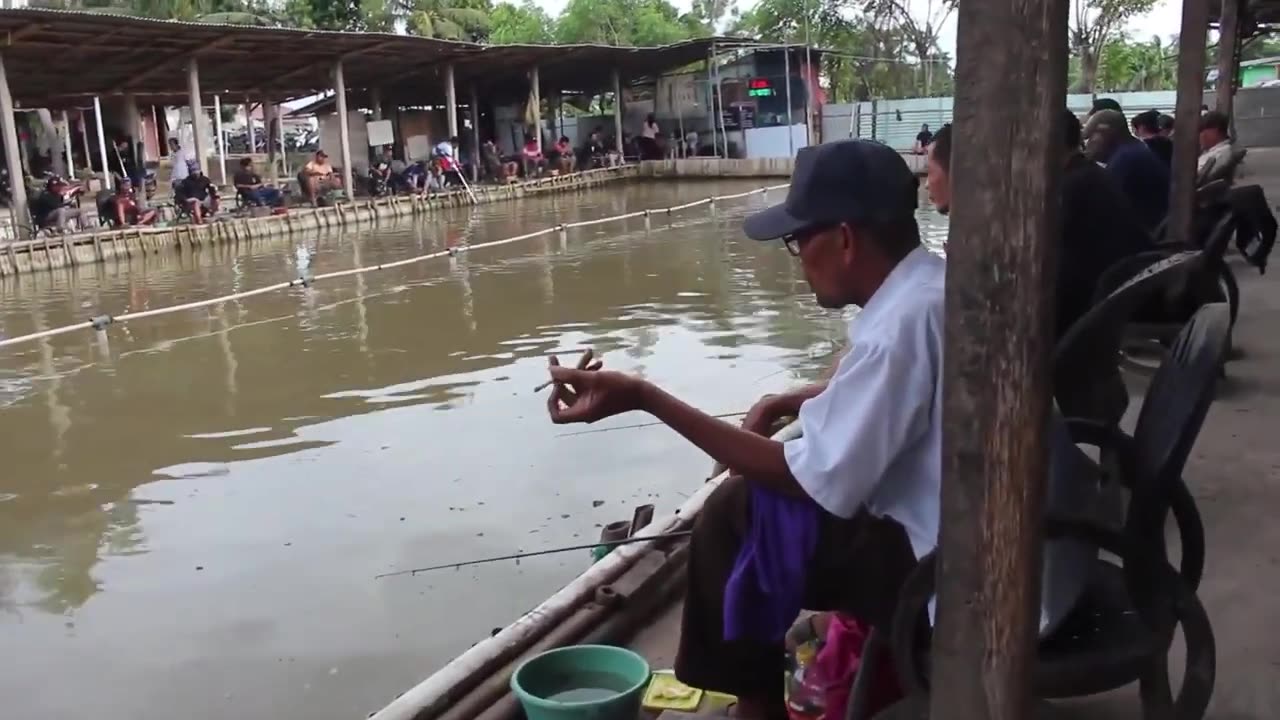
pixel 100 322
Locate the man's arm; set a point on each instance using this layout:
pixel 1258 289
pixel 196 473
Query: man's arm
pixel 758 458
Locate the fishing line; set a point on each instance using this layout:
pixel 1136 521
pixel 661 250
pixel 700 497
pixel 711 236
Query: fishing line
pixel 639 425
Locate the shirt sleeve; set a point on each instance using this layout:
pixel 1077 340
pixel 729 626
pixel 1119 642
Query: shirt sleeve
pixel 876 404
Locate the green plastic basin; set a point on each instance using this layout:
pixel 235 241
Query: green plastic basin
pixel 581 682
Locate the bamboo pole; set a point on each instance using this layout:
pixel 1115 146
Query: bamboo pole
pixel 1010 84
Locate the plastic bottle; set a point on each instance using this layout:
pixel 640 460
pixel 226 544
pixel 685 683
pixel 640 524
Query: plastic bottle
pixel 806 691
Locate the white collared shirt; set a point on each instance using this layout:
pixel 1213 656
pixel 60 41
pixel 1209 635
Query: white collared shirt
pixel 873 437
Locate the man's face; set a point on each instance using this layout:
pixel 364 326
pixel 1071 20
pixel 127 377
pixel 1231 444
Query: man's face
pixel 938 181
pixel 824 256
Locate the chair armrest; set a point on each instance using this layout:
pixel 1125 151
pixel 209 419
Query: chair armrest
pixel 1110 440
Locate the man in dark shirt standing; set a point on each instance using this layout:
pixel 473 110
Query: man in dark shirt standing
pixel 923 139
pixel 1146 127
pixel 1099 227
pixel 1142 177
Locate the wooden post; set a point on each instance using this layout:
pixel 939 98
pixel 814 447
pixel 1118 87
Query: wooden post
pixel 344 136
pixel 1010 88
pixel 248 127
pixel 1228 55
pixel 1186 119
pixel 17 177
pixel 617 113
pixel 197 115
pixel 66 138
pixel 450 101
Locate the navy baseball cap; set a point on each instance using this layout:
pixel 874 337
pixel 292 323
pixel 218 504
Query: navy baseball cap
pixel 855 181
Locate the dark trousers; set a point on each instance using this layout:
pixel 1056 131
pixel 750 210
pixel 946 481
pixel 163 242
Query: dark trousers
pixel 857 567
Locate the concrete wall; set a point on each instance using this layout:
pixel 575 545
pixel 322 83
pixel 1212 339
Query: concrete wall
pixel 1257 120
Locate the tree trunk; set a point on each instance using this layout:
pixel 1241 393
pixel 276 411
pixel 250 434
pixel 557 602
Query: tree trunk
pixel 1088 70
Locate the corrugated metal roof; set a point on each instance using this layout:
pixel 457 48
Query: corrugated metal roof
pixel 60 57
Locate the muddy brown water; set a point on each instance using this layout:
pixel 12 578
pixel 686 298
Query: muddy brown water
pixel 193 507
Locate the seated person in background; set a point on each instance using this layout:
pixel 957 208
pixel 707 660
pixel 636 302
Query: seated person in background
pixel 198 194
pixel 381 178
pixel 55 207
pixel 317 178
pixel 495 167
pixel 1105 103
pixel 122 206
pixel 924 138
pixel 434 180
pixel 1099 226
pixel 1146 127
pixel 1217 159
pixel 531 159
pixel 1142 177
pixel 691 143
pixel 593 150
pixel 250 188
pixel 1165 123
pixel 564 160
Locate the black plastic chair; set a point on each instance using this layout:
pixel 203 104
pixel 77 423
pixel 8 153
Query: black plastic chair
pixel 1122 626
pixel 1086 362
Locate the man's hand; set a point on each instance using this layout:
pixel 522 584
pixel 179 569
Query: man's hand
pixel 587 393
pixel 762 416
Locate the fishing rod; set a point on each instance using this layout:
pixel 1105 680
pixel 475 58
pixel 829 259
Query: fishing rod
pixel 520 556
pixel 639 425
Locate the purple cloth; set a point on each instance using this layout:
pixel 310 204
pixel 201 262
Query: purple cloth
pixel 765 591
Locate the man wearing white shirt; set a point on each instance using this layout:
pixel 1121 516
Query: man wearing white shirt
pixel 868 466
pixel 179 161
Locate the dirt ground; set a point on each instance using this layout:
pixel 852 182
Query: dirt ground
pixel 1234 473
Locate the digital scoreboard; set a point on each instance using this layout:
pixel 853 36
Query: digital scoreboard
pixel 759 87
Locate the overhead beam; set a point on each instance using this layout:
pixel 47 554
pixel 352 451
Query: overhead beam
pixel 25 31
pixel 320 65
pixel 165 65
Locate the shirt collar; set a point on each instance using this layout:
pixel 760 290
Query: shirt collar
pixel 897 280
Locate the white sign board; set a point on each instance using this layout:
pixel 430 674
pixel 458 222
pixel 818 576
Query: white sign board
pixel 380 133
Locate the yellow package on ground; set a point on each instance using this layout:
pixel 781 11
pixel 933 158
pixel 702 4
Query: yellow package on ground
pixel 665 692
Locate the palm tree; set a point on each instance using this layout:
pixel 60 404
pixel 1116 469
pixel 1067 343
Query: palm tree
pixel 445 19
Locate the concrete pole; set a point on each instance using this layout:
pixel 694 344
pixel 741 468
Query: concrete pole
pixel 535 98
pixel 155 126
pixel 133 119
pixel 278 114
pixel 248 121
pixel 197 114
pixel 222 140
pixel 375 99
pixel 17 179
pixel 66 139
pixel 617 113
pixel 344 134
pixel 88 149
pixel 475 134
pixel 102 143
pixel 451 101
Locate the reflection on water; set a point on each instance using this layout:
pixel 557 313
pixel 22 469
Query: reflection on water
pixel 194 506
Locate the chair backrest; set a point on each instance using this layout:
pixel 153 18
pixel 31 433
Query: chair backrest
pixel 1086 359
pixel 1173 411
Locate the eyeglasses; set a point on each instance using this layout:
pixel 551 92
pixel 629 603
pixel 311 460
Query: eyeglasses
pixel 796 241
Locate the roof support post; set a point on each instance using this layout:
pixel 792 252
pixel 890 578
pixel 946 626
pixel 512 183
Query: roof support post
pixel 197 115
pixel 535 103
pixel 107 179
pixel 248 125
pixel 1186 118
pixel 375 99
pixel 278 114
pixel 475 133
pixel 1228 56
pixel 17 179
pixel 450 101
pixel 133 127
pixel 344 140
pixel 617 114
pixel 221 144
pixel 66 139
pixel 1011 78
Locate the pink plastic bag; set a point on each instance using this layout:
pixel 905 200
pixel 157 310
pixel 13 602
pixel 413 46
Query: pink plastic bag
pixel 839 660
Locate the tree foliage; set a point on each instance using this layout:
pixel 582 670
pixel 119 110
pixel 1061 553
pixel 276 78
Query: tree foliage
pixel 1092 26
pixel 523 23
